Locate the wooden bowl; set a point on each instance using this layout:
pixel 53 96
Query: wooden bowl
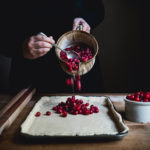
pixel 73 38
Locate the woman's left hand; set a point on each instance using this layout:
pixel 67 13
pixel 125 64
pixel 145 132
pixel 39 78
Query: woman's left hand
pixel 85 26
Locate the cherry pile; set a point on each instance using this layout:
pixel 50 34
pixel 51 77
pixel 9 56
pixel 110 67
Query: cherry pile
pixel 139 96
pixel 75 106
pixel 73 64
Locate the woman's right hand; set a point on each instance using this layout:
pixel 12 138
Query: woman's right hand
pixel 37 46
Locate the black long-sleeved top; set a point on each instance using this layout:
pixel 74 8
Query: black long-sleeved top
pixel 22 19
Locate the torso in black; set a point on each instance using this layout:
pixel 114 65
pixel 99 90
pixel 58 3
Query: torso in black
pixel 22 19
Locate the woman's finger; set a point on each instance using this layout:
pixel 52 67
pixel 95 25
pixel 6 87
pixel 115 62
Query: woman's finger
pixel 39 52
pixel 42 50
pixel 76 22
pixel 86 27
pixel 42 44
pixel 44 38
pixel 42 53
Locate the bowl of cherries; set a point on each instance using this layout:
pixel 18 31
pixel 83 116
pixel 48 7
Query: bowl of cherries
pixel 84 44
pixel 137 107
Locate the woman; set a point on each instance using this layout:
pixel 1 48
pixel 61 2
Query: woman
pixel 34 60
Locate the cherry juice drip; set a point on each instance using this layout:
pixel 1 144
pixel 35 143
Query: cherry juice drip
pixel 73 64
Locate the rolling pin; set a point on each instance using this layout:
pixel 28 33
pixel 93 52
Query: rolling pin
pixel 10 112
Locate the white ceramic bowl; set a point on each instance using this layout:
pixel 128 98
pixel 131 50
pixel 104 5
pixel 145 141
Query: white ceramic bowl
pixel 137 111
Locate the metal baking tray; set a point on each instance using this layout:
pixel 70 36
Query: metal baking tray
pixel 45 103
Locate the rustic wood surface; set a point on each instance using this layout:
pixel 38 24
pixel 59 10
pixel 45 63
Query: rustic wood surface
pixel 138 137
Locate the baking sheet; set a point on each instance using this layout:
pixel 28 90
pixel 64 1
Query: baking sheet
pixel 105 124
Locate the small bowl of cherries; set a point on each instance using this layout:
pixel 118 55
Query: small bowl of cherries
pixel 137 107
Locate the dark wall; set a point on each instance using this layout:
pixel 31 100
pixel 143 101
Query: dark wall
pixel 121 47
pixel 122 40
pixel 5 64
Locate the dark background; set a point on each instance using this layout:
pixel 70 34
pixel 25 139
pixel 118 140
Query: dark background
pixel 123 38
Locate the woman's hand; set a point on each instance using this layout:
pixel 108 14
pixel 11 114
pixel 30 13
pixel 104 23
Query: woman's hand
pixel 37 46
pixel 77 21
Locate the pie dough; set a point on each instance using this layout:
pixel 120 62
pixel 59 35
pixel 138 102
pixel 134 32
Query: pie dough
pixel 103 122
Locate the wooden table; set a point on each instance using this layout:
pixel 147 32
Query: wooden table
pixel 138 137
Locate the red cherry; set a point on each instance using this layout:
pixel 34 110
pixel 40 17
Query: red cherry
pixel 69 65
pixel 74 104
pixel 87 112
pixel 78 85
pixel 48 113
pixel 71 81
pixel 78 77
pixel 132 96
pixel 62 53
pixel 147 95
pixel 70 69
pixel 64 114
pixel 73 98
pixel 87 104
pixel 55 108
pixel 128 97
pixel 80 111
pixel 146 100
pixel 84 59
pixel 37 114
pixel 76 67
pixel 137 99
pixel 96 111
pixel 141 94
pixel 137 93
pixel 80 101
pixel 78 107
pixel 76 112
pixel 68 81
pixel 59 111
